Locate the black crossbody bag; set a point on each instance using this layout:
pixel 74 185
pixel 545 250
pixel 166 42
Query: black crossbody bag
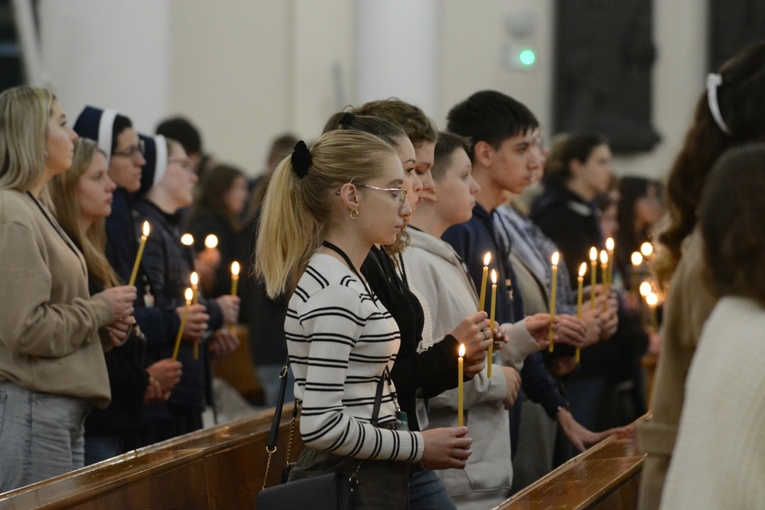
pixel 330 491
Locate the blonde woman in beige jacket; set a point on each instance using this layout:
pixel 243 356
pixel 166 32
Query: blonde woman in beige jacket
pixel 52 367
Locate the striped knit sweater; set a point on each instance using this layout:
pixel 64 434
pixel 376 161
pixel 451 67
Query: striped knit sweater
pixel 340 339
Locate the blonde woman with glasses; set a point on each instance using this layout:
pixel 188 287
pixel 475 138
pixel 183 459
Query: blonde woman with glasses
pixel 324 210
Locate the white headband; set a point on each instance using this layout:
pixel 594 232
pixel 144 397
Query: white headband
pixel 160 164
pixel 105 127
pixel 713 81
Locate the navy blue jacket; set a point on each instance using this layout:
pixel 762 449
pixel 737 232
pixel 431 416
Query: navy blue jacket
pixel 166 266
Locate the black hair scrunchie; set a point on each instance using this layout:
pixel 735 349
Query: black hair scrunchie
pixel 347 119
pixel 301 159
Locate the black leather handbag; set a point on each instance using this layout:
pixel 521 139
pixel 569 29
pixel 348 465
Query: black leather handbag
pixel 330 491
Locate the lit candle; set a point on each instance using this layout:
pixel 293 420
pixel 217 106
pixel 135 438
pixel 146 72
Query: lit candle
pixel 187 239
pixel 553 292
pixel 194 279
pixel 460 388
pixel 484 276
pixel 580 285
pixel 604 270
pixel 141 246
pixel 646 249
pixel 636 259
pixel 177 347
pixel 645 289
pixel 234 277
pixel 593 271
pixel 652 300
pixel 211 241
pixel 491 318
pixel 610 245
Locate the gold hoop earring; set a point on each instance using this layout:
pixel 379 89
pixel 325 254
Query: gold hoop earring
pixel 354 214
pixel 46 154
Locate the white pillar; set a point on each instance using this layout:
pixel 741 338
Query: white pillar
pixel 109 54
pixel 398 52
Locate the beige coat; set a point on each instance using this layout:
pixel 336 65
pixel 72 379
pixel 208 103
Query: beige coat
pixel 49 340
pixel 686 310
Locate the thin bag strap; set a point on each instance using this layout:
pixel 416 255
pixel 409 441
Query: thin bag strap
pixel 378 396
pixel 273 435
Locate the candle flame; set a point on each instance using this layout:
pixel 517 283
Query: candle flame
pixel 555 258
pixel 652 299
pixel 487 258
pixel 462 351
pixel 211 241
pixel 637 258
pixel 194 279
pixel 593 254
pixel 146 229
pixel 610 244
pixel 493 277
pixel 603 257
pixel 645 289
pixel 583 269
pixel 189 294
pixel 235 268
pixel 187 239
pixel 646 249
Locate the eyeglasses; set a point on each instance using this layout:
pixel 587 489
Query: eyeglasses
pixel 133 151
pixel 397 193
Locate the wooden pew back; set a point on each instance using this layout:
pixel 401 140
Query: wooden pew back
pixel 218 468
pixel 605 477
pixel 223 467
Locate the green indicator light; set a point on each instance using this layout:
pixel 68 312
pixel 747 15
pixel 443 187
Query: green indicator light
pixel 527 57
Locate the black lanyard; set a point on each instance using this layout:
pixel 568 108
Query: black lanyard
pixel 347 260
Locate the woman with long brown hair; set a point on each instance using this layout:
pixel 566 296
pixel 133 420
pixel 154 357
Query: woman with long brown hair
pixel 730 113
pixel 83 199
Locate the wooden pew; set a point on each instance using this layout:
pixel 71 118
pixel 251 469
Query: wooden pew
pixel 217 468
pixel 223 467
pixel 605 477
